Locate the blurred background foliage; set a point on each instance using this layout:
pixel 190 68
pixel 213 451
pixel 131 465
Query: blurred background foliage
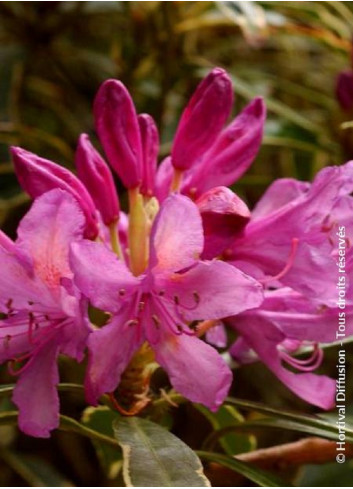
pixel 53 57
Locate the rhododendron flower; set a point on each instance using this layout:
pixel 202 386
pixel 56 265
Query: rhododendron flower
pixel 157 306
pixel 290 234
pixel 42 309
pixel 277 330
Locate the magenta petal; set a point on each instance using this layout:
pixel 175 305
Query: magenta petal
pixel 202 119
pixel 5 242
pixel 233 151
pixel 150 148
pixel 217 336
pixel 164 177
pixel 263 337
pixel 280 193
pixel 100 276
pixel 118 129
pixel 177 236
pixel 214 290
pixel 38 175
pixel 35 393
pixel 223 215
pixel 97 177
pixel 195 369
pixel 14 337
pixel 110 350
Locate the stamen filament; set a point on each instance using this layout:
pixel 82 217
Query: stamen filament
pixel 114 240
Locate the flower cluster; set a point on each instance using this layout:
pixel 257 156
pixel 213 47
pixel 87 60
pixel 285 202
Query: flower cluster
pixel 188 260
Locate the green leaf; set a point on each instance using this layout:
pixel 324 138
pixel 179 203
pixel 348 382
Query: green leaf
pixel 227 416
pixel 100 419
pixel 260 477
pixel 34 470
pixel 153 457
pixel 314 425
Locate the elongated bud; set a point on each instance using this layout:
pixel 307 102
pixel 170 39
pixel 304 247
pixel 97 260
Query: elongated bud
pixel 37 175
pixel 150 147
pixel 344 90
pixel 202 119
pixel 223 215
pixel 98 179
pixel 233 152
pixel 118 129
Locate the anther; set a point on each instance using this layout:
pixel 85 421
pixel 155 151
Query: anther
pixel 122 292
pixel 30 303
pixel 196 297
pixel 161 293
pixel 132 322
pixel 156 321
pixel 141 306
pixel 9 305
pixel 7 341
pixel 176 300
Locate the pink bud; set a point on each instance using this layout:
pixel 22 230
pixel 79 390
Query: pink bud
pixel 118 129
pixel 344 90
pixel 223 214
pixel 202 119
pixel 233 151
pixel 37 175
pixel 150 147
pixel 97 177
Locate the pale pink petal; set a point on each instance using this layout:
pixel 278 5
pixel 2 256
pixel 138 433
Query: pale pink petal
pixel 101 276
pixel 46 232
pixel 195 369
pixel 17 285
pixel 212 290
pixel 177 236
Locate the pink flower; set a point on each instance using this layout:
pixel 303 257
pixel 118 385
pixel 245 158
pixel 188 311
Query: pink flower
pixel 292 233
pixel 276 331
pixel 157 306
pixel 42 310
